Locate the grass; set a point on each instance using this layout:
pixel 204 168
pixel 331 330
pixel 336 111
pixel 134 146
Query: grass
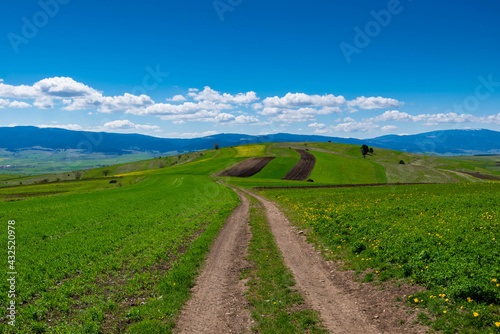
pixel 275 304
pixel 88 260
pixel 94 256
pixel 397 173
pixel 443 237
pixel 45 161
pixel 100 172
pixel 60 188
pixel 253 150
pixel 339 169
pixel 277 169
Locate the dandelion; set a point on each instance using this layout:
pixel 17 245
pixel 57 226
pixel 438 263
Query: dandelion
pixel 494 280
pixel 497 324
pixel 416 300
pixel 475 314
pixel 444 311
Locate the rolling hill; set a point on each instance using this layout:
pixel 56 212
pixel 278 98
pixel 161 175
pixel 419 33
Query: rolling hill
pixel 117 248
pixel 439 142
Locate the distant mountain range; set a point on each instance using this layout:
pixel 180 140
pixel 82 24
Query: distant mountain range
pixel 455 142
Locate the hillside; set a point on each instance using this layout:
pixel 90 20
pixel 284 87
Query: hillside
pixel 118 248
pixel 31 150
pixel 335 164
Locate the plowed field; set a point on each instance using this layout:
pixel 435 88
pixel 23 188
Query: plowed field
pixel 303 168
pixel 248 167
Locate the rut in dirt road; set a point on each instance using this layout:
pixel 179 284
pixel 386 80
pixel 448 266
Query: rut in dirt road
pixel 218 304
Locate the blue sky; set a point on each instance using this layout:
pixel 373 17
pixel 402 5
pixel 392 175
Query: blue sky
pixel 198 67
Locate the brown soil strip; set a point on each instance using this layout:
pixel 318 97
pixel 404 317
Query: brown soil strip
pixel 345 306
pixel 248 167
pixel 341 186
pixel 483 176
pixel 218 304
pixel 303 168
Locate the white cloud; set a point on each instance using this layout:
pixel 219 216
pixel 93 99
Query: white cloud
pixel 298 100
pixel 19 104
pixel 110 104
pixel 177 98
pixel 208 94
pixel 434 119
pixel 74 127
pixel 493 119
pixel 18 92
pixel 374 103
pixel 224 117
pixel 75 95
pixel 198 134
pixel 257 106
pixel 47 103
pixel 63 87
pixel 204 111
pixel 430 119
pixel 200 116
pixel 295 115
pixel 242 119
pixel 394 115
pixel 389 128
pixel 355 127
pixel 299 107
pixel 317 126
pixel 128 125
pixel 289 118
pixel 4 103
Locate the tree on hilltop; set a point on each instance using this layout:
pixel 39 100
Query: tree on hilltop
pixel 364 150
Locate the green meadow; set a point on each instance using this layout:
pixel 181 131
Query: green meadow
pixel 116 249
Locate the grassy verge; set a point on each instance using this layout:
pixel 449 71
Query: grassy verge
pixel 275 305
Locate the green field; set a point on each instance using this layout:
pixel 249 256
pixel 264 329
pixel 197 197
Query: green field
pixel 45 161
pixel 443 237
pixel 87 259
pixel 95 256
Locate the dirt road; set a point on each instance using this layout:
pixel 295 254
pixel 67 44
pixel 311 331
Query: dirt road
pixel 218 304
